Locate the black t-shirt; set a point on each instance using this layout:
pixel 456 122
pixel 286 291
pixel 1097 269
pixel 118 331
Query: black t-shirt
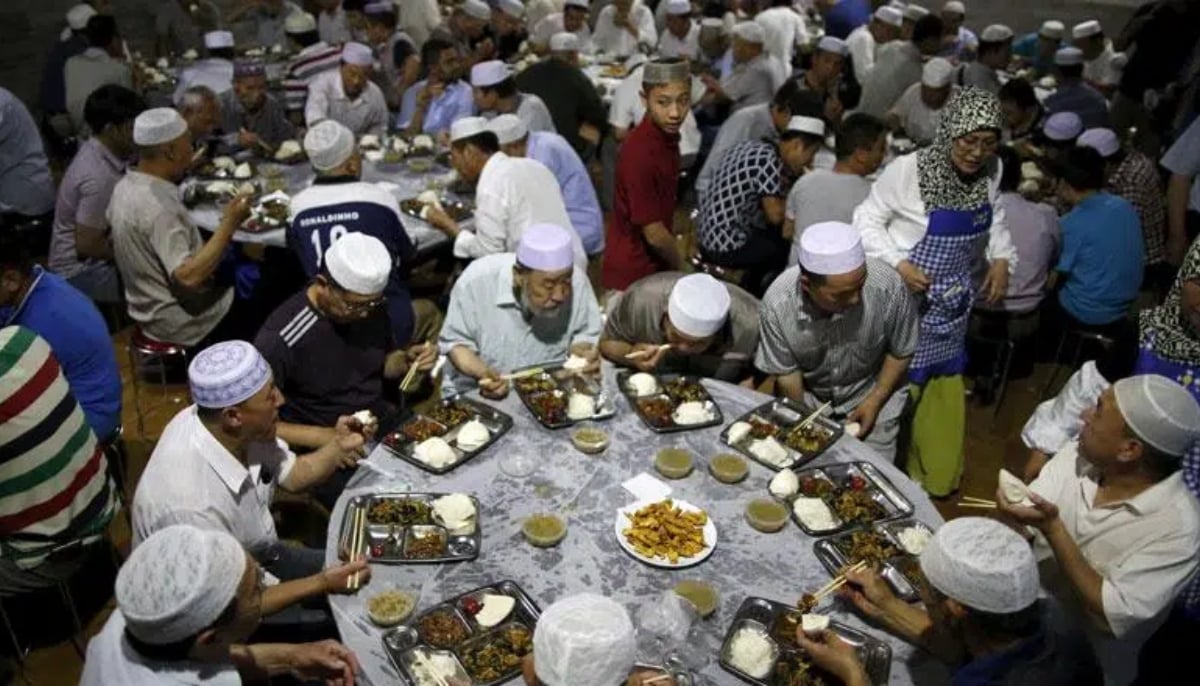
pixel 324 369
pixel 569 95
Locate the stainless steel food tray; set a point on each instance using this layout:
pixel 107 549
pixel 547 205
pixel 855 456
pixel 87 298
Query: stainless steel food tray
pixel 784 414
pixel 901 571
pixel 394 539
pixel 881 489
pixel 636 402
pixel 497 423
pixel 565 383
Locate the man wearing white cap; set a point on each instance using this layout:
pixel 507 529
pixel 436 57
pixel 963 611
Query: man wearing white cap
pixel 397 57
pixel 918 112
pixel 348 96
pixel 508 25
pixel 1038 48
pixel 332 23
pixel 865 41
pixel 178 26
pixel 103 63
pixel 573 19
pixel 681 37
pixel 419 18
pixel 824 76
pixel 1117 531
pixel 574 103
pixel 264 20
pixel 1098 54
pixel 431 105
pixel 740 220
pixel 553 151
pixel 624 28
pixel 469 30
pixel 187 601
pixel 1131 175
pixel 215 71
pixel 510 311
pixel 959 41
pixel 511 194
pixel 981 613
pixel 995 52
pixel 694 324
pixel 342 314
pixel 219 461
pixel 715 40
pixel 754 78
pixel 495 92
pixel 72 42
pixel 1074 94
pixel 314 56
pixel 912 13
pixel 627 108
pixel 840 328
pixel 785 28
pixel 251 118
pixel 899 65
pixel 537 10
pixel 166 266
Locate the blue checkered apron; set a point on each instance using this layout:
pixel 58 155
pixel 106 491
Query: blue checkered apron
pixel 953 241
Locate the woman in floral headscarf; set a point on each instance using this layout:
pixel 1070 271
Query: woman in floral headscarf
pixel 933 215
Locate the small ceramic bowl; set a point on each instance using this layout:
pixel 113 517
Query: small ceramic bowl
pixel 766 515
pixel 674 463
pixel 544 530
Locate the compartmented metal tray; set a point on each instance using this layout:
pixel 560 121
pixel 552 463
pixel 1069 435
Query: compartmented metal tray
pixel 772 618
pixel 860 481
pixel 457 210
pixel 547 390
pixel 657 411
pixel 900 570
pixel 397 542
pixel 439 422
pixel 777 419
pixel 406 642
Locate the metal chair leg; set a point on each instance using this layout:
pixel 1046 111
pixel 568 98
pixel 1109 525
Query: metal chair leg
pixel 65 592
pixel 18 651
pixel 1008 350
pixel 1062 342
pixel 134 372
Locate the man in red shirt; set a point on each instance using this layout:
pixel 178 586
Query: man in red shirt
pixel 640 239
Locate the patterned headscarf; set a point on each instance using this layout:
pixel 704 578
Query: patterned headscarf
pixel 1169 335
pixel 942 186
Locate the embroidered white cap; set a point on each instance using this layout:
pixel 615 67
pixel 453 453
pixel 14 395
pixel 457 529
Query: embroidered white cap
pixel 513 8
pixel 467 127
pixel 1068 57
pixel 955 7
pixel 78 16
pixel 157 126
pixel 565 42
pixel 831 248
pixel 809 125
pixel 982 564
pixel 477 9
pixel 698 305
pixel 890 15
pixel 937 73
pixel 1063 126
pixel 1159 411
pixel 1052 28
pixel 546 247
pixel 509 128
pixel 328 144
pixel 489 73
pixel 358 54
pixel 832 44
pixel 359 263
pixel 678 8
pixel 996 33
pixel 1086 29
pixel 914 12
pixel 750 31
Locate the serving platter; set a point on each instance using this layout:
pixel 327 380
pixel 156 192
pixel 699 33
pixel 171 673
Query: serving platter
pixel 445 421
pixel 622 524
pixel 657 410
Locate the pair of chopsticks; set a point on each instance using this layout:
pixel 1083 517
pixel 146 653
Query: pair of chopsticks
pixel 838 581
pixel 522 374
pixel 647 353
pixel 412 373
pixel 980 503
pixel 356 542
pixel 812 417
pixel 658 679
pixel 425 664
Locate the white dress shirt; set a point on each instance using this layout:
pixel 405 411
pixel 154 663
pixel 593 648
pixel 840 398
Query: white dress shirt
pixel 111 660
pixel 784 28
pixel 610 39
pixel 537 10
pixel 512 194
pixel 861 43
pixel 1146 549
pixel 192 479
pixel 917 120
pixel 1100 70
pixel 327 100
pixel 626 110
pixel 892 219
pixel 670 45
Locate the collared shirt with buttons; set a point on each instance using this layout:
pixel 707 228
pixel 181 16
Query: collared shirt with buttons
pixel 366 114
pixel 454 103
pixel 111 660
pixel 578 191
pixel 83 198
pixel 752 83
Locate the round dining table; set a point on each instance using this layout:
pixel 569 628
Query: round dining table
pixel 587 491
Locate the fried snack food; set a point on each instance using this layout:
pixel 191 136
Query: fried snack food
pixel 664 530
pixel 451 414
pixel 867 546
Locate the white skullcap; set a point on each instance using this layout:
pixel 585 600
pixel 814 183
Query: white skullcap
pixel 809 125
pixel 679 7
pixel 698 305
pixel 157 126
pixel 914 12
pixel 1159 411
pixel 834 45
pixel 509 128
pixel 78 16
pixel 359 263
pixel 178 582
pixel 227 373
pixel 546 248
pixel 1103 141
pixel 889 15
pixel 489 73
pixel 831 248
pixel 956 7
pixel 358 54
pixel 565 42
pixel 937 73
pixel 1086 29
pixel 467 127
pixel 1052 29
pixel 582 4
pixel 750 31
pixel 300 22
pixel 712 23
pixel 328 144
pixel 1063 126
pixel 1119 61
pixel 995 33
pixel 982 564
pixel 1068 57
pixel 476 8
pixel 218 40
pixel 513 8
pixel 583 640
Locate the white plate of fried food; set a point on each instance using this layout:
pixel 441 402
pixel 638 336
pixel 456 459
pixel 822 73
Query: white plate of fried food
pixel 666 533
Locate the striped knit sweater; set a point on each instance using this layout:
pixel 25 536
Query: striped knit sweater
pixel 54 486
pixel 311 61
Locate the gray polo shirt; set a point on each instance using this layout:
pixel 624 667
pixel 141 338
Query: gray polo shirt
pixel 636 317
pixel 823 195
pixel 751 83
pixel 840 355
pixel 83 198
pixel 897 67
pixel 26 186
pixel 86 73
pixel 152 235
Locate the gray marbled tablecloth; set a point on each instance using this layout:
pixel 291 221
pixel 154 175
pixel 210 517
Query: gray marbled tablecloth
pixel 587 491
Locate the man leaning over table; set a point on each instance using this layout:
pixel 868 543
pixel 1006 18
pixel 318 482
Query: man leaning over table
pixel 690 324
pixel 841 328
pixel 510 311
pixel 1114 527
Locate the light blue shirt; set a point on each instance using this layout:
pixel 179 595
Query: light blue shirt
pixel 1102 257
pixel 486 317
pixel 579 195
pixel 454 103
pixel 26 186
pixel 1183 158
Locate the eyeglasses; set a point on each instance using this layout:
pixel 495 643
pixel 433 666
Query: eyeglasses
pixel 983 146
pixel 362 307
